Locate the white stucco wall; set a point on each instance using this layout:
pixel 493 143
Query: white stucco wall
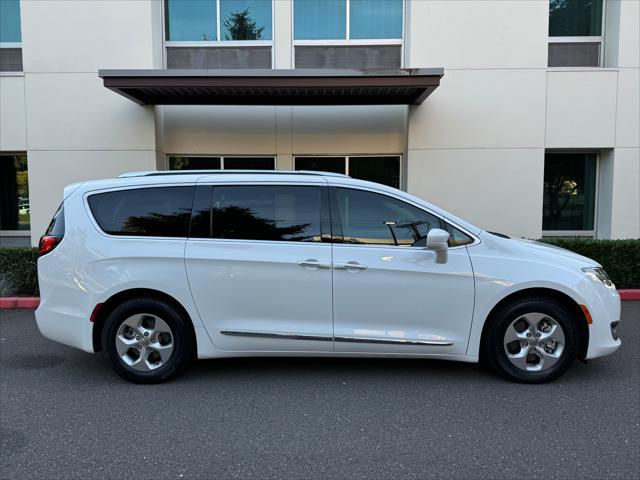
pixel 76 129
pixel 475 147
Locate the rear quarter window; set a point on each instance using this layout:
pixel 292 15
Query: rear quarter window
pixel 147 212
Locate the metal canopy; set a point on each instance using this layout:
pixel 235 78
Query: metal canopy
pixel 273 87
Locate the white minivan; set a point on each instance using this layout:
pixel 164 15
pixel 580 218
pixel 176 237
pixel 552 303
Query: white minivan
pixel 158 268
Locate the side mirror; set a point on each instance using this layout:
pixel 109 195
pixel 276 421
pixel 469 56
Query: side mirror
pixel 438 241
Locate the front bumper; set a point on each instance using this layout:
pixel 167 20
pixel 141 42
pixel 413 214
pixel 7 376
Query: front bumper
pixel 604 305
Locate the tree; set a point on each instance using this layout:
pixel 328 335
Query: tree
pixel 242 27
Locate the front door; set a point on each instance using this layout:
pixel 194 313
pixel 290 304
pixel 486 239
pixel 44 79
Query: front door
pixel 258 269
pixel 390 295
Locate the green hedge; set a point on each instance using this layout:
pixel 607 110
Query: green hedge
pixel 620 258
pixel 19 270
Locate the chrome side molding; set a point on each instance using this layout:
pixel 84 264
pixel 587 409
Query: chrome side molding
pixel 287 336
pixel 327 338
pixel 399 341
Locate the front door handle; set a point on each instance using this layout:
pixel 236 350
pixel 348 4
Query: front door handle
pixel 313 263
pixel 349 266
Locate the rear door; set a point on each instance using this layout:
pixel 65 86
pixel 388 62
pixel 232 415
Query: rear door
pixel 259 265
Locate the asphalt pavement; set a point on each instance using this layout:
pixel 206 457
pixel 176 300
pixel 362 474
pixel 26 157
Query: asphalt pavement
pixel 64 414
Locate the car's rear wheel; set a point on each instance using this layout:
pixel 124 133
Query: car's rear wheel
pixel 532 340
pixel 147 340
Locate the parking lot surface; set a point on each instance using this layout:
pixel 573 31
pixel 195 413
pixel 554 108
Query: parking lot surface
pixel 64 414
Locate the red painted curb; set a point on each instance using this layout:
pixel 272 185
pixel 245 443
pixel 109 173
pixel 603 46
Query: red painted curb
pixel 630 294
pixel 33 302
pixel 19 302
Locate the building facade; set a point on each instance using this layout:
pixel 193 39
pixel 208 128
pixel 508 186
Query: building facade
pixel 534 130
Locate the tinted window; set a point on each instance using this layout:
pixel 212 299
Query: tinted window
pixel 321 164
pixel 194 163
pixel 201 214
pixel 384 170
pixel 277 213
pixel 456 237
pixel 569 191
pixel 372 218
pixel 320 19
pixel 376 19
pixel 56 227
pixel 191 20
pixel 249 163
pixel 575 18
pixel 151 212
pixel 245 19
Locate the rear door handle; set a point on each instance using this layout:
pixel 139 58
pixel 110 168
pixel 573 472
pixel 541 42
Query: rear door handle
pixel 349 266
pixel 313 263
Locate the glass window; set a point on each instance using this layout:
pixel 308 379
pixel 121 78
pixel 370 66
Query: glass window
pixel 276 213
pixel 10 21
pixel 149 212
pixel 569 191
pixel 245 19
pixel 327 19
pixel 457 237
pixel 376 219
pixel 249 163
pixel 194 163
pixel 191 20
pixel 575 18
pixel 375 19
pixel 321 164
pixel 15 211
pixel 57 225
pixel 384 170
pixel 320 19
pixel 201 214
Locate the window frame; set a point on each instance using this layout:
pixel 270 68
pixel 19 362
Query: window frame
pixel 576 233
pixel 221 157
pixel 336 222
pixel 348 41
pixel 166 44
pixel 599 39
pixel 400 157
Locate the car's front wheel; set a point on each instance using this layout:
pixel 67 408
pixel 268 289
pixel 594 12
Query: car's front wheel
pixel 532 340
pixel 147 340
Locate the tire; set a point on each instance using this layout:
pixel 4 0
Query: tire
pixel 531 321
pixel 157 331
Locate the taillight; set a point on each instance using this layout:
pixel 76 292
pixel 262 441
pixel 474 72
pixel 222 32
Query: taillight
pixel 47 244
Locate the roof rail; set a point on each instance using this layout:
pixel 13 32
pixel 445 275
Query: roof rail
pixel 158 173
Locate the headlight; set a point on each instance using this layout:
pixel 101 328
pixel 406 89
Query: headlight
pixel 600 274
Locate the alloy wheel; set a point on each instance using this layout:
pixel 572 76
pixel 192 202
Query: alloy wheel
pixel 144 342
pixel 534 342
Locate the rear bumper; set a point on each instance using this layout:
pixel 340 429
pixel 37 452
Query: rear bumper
pixel 66 326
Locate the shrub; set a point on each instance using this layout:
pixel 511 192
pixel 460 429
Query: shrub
pixel 620 258
pixel 6 285
pixel 19 266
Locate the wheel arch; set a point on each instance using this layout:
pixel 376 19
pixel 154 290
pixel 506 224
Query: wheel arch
pixel 561 297
pixel 116 299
